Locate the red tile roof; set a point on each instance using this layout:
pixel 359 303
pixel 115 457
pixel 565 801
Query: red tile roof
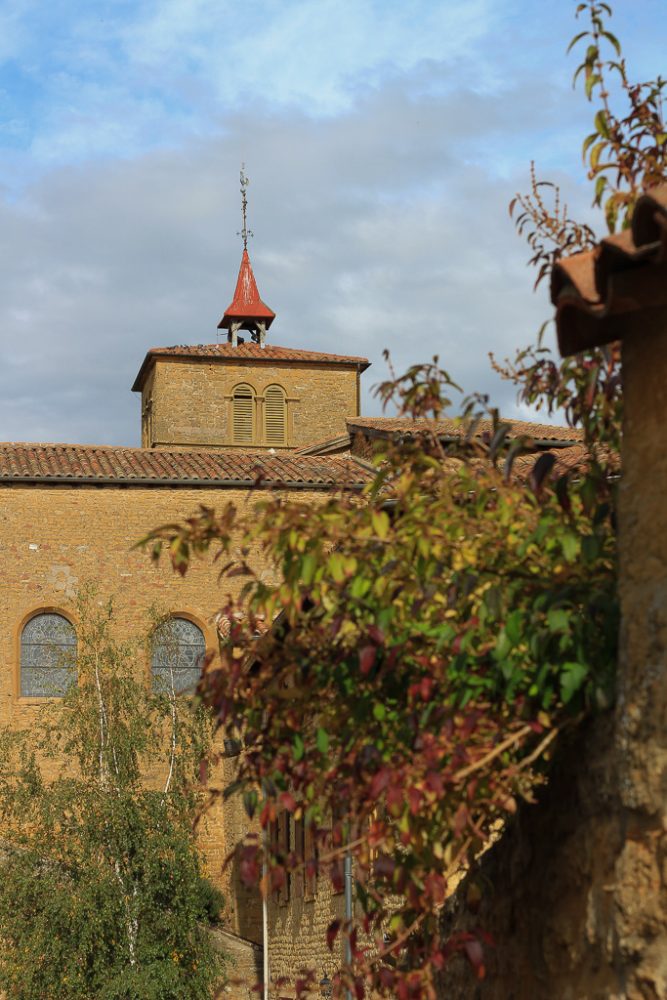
pixel 597 292
pixel 73 464
pixel 327 446
pixel 454 430
pixel 568 459
pixel 246 304
pixel 246 351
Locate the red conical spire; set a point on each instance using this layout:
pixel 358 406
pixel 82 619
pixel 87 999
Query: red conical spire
pixel 247 311
pixel 246 308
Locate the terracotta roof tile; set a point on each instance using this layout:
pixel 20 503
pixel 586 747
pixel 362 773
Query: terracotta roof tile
pixel 568 459
pixel 246 351
pixel 327 446
pixel 452 429
pixel 143 466
pixel 595 292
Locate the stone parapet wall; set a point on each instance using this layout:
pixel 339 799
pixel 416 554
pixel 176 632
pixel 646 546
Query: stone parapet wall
pixel 186 403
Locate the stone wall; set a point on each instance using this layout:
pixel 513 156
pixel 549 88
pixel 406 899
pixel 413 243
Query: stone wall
pixel 547 887
pixel 187 402
pixel 53 539
pixel 575 893
pixel 297 935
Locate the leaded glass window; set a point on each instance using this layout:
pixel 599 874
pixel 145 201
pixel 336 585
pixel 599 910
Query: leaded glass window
pixel 178 651
pixel 48 656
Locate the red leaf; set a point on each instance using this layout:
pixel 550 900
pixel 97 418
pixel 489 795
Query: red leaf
pixel 384 866
pixel 379 782
pixel 337 876
pixel 288 800
pixel 387 977
pixel 332 933
pixel 435 886
pixel 367 658
pixel 434 782
pixel 376 634
pixel 415 800
pixel 426 687
pixel 541 470
pixel 249 869
pixel 278 878
pixel 475 953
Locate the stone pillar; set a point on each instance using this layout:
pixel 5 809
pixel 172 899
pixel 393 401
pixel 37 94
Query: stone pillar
pixel 640 877
pixel 575 892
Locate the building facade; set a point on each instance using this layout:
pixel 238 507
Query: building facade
pixel 220 423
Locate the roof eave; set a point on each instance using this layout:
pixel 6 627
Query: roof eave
pixel 153 355
pixel 187 483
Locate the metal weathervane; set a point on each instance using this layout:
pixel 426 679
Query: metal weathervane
pixel 245 233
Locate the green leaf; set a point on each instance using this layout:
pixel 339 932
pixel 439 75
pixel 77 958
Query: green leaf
pixel 503 646
pixel 571 545
pixel 577 38
pixel 250 802
pixel 600 185
pixel 308 567
pixel 588 141
pixel 591 81
pixel 337 567
pixel 558 620
pixel 299 748
pixel 513 627
pixel 601 124
pixel 322 740
pixel 379 711
pixel 571 680
pixel 595 153
pixel 614 41
pixel 360 587
pixel 381 523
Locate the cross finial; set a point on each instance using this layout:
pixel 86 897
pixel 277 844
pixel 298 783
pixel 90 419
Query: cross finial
pixel 245 232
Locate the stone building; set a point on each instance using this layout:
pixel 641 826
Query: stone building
pixel 219 422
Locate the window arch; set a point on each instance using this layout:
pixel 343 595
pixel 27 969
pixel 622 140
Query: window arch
pixel 177 653
pixel 275 415
pixel 48 656
pixel 243 414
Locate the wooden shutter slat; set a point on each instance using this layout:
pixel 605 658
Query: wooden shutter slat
pixel 275 416
pixel 243 407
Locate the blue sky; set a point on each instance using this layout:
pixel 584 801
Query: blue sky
pixel 383 141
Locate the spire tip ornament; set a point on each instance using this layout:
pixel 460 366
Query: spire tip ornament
pixel 244 233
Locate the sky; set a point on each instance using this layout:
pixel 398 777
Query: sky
pixel 383 140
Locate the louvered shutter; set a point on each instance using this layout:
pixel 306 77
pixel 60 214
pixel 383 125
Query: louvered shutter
pixel 243 406
pixel 274 404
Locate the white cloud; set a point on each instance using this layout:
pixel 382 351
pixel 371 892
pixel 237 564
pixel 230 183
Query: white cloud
pixel 372 231
pixel 383 140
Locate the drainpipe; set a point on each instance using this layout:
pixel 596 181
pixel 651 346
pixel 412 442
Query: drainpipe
pixel 265 929
pixel 348 913
pixel 265 910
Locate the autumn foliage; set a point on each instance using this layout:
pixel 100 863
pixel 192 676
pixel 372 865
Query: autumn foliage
pixel 432 637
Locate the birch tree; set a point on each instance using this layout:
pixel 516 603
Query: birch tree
pixel 101 886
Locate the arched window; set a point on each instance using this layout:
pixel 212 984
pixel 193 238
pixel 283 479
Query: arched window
pixel 48 656
pixel 243 414
pixel 177 653
pixel 275 411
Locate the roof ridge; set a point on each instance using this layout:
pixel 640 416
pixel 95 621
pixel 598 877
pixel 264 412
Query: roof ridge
pixel 245 453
